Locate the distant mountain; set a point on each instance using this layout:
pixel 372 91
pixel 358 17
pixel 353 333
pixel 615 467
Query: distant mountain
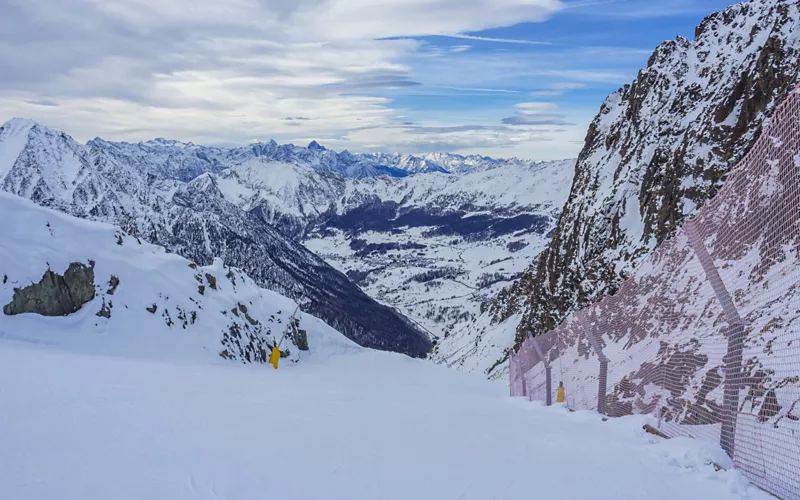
pixel 165 192
pixel 185 161
pixel 434 246
pixel 657 150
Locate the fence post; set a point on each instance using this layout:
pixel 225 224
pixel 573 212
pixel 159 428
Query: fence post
pixel 548 378
pixel 511 374
pixel 736 332
pixel 602 379
pixel 601 390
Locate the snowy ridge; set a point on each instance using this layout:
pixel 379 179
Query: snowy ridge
pixel 159 305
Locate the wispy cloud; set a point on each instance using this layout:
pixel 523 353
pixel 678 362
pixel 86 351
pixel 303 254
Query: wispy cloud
pixel 228 72
pixel 641 9
pixel 42 102
pixel 345 71
pixel 558 89
pixel 474 89
pixel 498 40
pixel 536 113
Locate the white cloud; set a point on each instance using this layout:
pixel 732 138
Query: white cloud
pixel 558 89
pixel 360 19
pixel 232 72
pixel 460 48
pixel 537 113
pixel 498 40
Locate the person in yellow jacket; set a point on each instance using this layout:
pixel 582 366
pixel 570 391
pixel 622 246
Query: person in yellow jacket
pixel 559 392
pixel 274 356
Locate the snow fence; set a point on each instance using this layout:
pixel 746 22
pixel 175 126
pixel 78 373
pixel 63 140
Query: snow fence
pixel 706 335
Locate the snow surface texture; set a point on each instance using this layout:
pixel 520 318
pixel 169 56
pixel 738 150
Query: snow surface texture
pixel 167 195
pixel 360 424
pixel 679 348
pixel 162 306
pixel 658 149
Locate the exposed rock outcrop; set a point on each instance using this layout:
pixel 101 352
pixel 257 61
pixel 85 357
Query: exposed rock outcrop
pixel 55 295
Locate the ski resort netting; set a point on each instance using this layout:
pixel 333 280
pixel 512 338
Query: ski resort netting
pixel 706 335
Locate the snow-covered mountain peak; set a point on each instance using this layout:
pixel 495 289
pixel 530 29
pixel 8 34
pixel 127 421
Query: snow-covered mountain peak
pixel 168 143
pixel 16 126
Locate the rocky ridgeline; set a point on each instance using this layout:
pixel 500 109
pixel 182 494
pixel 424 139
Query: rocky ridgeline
pixel 657 150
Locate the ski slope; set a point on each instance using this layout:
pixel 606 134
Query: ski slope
pixel 347 424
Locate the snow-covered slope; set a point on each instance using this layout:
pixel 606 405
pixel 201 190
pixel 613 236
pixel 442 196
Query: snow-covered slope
pixel 148 303
pixel 147 195
pixel 365 425
pixel 657 150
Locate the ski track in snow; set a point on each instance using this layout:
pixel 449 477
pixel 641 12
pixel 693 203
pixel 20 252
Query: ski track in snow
pixel 76 426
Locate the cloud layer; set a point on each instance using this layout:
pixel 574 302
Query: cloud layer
pixel 243 70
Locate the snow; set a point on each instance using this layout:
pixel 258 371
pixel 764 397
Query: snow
pixel 13 138
pixel 356 425
pixel 188 324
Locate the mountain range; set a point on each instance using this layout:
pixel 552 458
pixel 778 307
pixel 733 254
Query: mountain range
pixel 257 207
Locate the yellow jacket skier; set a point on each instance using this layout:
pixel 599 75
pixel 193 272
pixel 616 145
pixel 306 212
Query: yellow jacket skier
pixel 559 392
pixel 274 356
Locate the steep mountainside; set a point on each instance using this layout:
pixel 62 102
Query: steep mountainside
pixel 148 197
pixel 657 150
pixel 138 300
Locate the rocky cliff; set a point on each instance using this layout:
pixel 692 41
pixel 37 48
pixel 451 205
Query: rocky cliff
pixel 657 150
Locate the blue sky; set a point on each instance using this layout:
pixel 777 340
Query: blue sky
pixel 496 77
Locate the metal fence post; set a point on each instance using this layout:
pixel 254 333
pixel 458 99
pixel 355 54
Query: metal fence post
pixel 601 390
pixel 602 379
pixel 548 378
pixel 736 332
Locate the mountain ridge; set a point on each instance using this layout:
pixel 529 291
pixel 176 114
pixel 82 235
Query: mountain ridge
pixel 658 148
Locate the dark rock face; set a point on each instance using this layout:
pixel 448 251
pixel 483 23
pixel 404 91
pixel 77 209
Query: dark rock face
pixel 55 295
pixel 658 149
